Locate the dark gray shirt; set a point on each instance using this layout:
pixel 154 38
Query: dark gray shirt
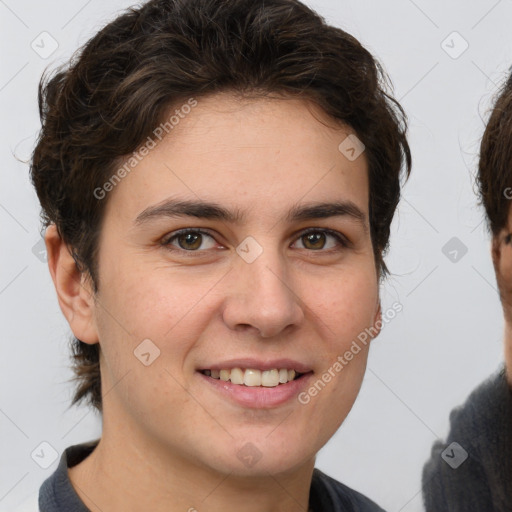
pixel 482 427
pixel 326 494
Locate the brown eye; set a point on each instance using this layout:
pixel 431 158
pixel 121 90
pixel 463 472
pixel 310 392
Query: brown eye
pixel 322 240
pixel 314 240
pixel 190 240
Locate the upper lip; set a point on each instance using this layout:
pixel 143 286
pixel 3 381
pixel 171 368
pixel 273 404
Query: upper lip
pixel 259 364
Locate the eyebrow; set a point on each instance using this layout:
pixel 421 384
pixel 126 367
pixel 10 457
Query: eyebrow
pixel 209 210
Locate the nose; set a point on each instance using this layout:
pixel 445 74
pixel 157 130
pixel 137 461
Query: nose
pixel 261 296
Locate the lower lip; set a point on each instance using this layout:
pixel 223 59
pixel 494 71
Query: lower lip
pixel 259 397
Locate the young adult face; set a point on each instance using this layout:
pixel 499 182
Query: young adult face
pixel 299 304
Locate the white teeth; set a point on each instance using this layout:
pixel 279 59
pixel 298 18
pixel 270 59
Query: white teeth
pixel 237 376
pixel 270 378
pixel 252 377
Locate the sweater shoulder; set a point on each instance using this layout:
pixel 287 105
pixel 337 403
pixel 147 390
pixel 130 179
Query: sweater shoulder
pixel 461 471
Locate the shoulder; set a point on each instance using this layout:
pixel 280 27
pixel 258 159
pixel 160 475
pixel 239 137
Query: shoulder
pixel 56 492
pixel 327 494
pixel 471 466
pixel 486 410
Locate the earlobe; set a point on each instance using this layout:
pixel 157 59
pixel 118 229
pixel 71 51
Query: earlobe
pixel 74 293
pixel 377 323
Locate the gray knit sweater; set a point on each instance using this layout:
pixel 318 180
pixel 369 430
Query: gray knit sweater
pixel 472 470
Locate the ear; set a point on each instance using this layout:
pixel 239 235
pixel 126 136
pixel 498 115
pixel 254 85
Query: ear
pixel 496 251
pixel 377 321
pixel 501 253
pixel 74 290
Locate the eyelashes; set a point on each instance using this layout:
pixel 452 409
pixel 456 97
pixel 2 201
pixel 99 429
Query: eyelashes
pixel 340 239
pixel 191 240
pixel 189 235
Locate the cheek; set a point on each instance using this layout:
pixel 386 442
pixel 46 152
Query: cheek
pixel 346 306
pixel 155 299
pixel 157 303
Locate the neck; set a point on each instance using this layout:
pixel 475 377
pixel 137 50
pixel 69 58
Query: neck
pixel 122 476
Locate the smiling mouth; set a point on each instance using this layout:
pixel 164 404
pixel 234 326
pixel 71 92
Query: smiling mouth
pixel 251 377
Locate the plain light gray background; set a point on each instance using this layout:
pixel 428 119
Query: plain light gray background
pixel 448 336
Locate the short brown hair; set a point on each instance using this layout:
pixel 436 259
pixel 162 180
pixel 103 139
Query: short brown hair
pixel 495 164
pixel 106 102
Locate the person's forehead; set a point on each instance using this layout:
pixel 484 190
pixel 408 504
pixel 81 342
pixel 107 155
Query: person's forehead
pixel 255 117
pixel 264 151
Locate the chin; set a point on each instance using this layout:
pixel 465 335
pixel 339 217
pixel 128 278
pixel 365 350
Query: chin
pixel 277 464
pixel 263 454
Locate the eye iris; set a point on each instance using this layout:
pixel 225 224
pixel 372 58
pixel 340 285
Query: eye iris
pixel 314 238
pixel 190 238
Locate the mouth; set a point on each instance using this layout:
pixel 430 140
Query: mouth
pixel 253 377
